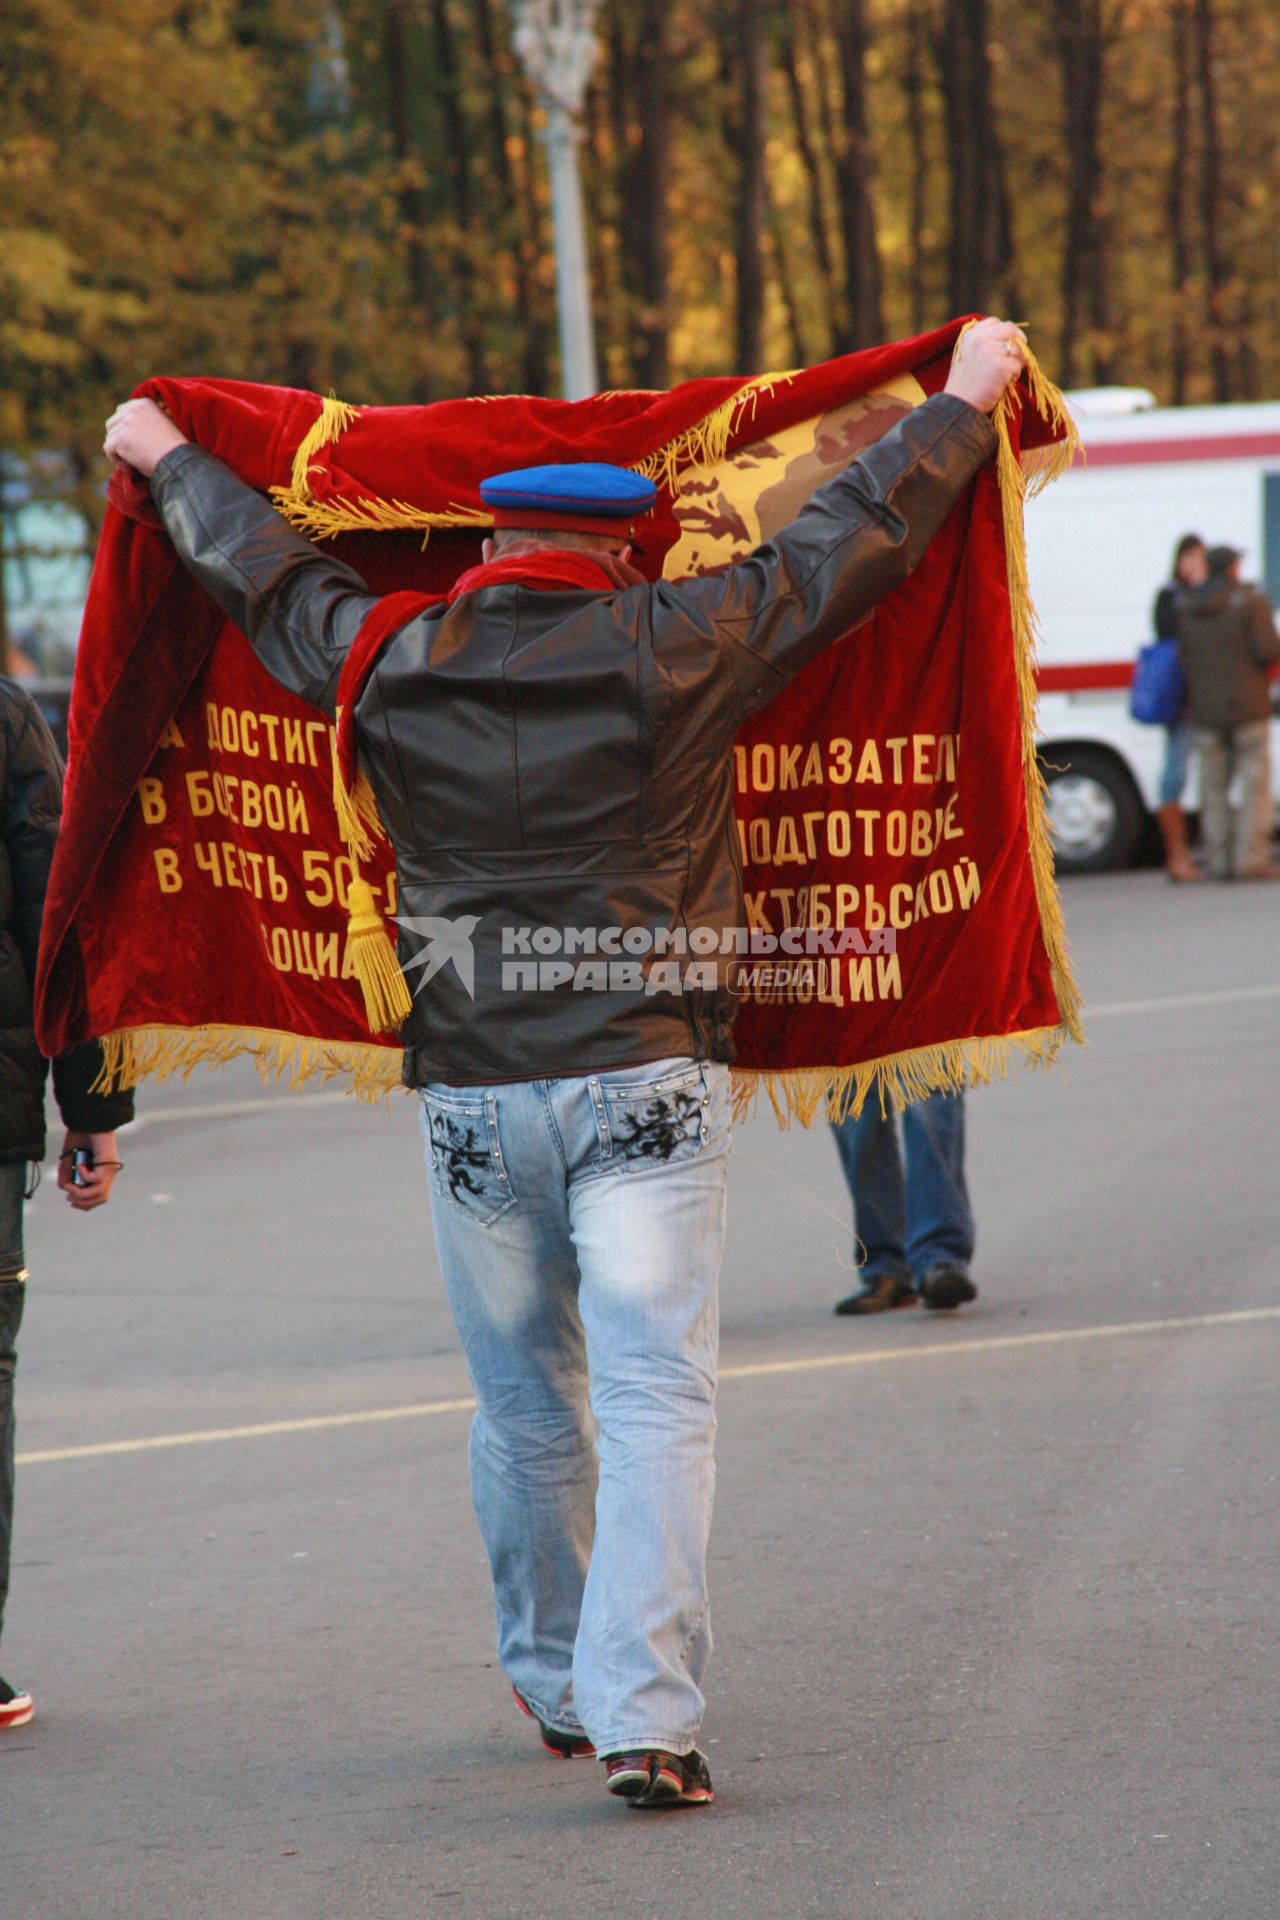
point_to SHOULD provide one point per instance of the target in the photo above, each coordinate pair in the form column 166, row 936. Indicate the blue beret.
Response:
column 586, row 496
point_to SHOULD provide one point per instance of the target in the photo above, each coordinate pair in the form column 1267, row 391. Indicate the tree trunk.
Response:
column 1085, row 297
column 749, row 206
column 1216, row 316
column 531, row 322
column 743, row 76
column 607, row 140
column 457, row 158
column 819, row 215
column 1176, row 201
column 645, row 193
column 918, row 181
column 853, row 174
column 788, row 280
column 409, row 190
column 979, row 235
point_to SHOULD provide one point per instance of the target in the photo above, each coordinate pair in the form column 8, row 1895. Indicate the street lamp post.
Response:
column 556, row 41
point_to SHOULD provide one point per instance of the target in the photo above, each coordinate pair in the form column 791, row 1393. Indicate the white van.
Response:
column 1099, row 545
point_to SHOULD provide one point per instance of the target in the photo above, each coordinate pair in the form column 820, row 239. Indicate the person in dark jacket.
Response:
column 31, row 802
column 1227, row 643
column 558, row 763
column 1190, row 566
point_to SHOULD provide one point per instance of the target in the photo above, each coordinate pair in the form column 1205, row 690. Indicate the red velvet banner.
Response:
column 904, row 925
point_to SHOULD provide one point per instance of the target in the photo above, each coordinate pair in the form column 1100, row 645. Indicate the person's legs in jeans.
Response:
column 940, row 1228
column 500, row 1210
column 1173, row 772
column 1215, row 813
column 13, row 1180
column 1254, row 822
column 649, row 1166
column 872, row 1162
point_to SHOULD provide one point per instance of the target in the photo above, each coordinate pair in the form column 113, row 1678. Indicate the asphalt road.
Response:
column 994, row 1594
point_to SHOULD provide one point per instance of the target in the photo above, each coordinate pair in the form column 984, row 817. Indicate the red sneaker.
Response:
column 655, row 1778
column 16, row 1707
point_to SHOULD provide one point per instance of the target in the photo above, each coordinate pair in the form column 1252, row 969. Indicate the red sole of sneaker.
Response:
column 8, row 1721
column 585, row 1752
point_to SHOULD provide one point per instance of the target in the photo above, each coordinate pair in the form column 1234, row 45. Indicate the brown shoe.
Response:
column 880, row 1294
column 1264, row 872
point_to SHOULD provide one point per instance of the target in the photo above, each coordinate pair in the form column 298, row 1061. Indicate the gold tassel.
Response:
column 373, row 961
column 370, row 950
column 355, row 807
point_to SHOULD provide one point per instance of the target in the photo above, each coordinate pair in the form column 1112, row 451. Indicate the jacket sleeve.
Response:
column 299, row 607
column 32, row 815
column 1264, row 641
column 859, row 536
column 74, row 1073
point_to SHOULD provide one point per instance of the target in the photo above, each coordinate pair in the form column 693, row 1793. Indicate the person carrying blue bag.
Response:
column 1158, row 697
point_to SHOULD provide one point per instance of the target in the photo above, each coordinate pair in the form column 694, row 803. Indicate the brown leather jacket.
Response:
column 563, row 760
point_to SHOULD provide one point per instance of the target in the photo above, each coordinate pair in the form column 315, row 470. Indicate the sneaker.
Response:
column 946, row 1287
column 655, row 1778
column 565, row 1746
column 16, row 1707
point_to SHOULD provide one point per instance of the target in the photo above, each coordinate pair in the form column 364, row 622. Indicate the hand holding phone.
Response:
column 87, row 1167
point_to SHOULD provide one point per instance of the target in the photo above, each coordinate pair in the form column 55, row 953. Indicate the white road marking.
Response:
column 1178, row 1002
column 813, row 1363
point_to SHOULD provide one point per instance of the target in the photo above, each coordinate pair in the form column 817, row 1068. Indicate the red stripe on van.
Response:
column 1154, row 453
column 1096, row 676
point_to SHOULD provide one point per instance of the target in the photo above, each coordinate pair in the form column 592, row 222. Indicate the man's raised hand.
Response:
column 139, row 434
column 988, row 358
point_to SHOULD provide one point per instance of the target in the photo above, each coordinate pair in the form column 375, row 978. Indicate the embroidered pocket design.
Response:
column 467, row 1161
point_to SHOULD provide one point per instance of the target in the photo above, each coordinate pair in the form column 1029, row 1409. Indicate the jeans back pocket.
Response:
column 652, row 1123
column 465, row 1155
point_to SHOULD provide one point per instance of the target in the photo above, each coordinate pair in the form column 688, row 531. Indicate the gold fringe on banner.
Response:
column 709, row 439
column 897, row 1079
column 320, row 519
column 1017, row 485
column 140, row 1053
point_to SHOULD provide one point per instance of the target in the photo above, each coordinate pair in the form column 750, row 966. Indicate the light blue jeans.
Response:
column 580, row 1228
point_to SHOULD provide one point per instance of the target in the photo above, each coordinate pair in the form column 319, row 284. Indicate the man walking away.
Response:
column 1227, row 643
column 555, row 747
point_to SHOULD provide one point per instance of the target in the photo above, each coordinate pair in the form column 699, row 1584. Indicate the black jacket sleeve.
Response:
column 299, row 607
column 32, row 814
column 859, row 536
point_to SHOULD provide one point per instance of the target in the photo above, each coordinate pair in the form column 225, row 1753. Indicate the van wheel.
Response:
column 1094, row 810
